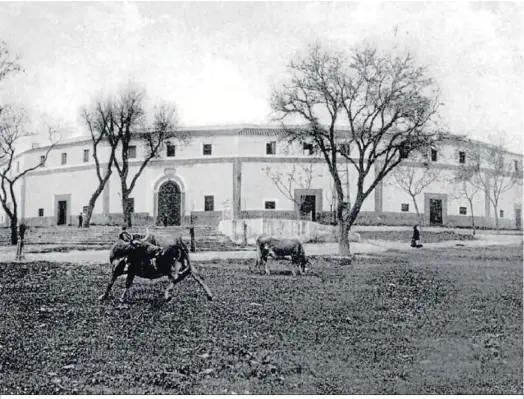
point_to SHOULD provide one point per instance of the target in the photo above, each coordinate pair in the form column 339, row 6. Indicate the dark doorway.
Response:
column 169, row 202
column 62, row 213
column 435, row 212
column 308, row 207
column 518, row 218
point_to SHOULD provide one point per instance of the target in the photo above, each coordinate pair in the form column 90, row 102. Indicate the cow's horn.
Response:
column 126, row 236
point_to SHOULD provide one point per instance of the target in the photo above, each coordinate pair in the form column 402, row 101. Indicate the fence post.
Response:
column 192, row 235
column 244, row 235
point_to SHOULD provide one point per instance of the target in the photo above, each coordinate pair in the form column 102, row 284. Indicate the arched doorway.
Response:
column 169, row 202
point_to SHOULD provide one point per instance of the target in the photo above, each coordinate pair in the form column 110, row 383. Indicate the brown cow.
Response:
column 280, row 249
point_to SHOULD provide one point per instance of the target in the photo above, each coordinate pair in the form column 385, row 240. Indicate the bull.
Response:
column 280, row 249
column 142, row 258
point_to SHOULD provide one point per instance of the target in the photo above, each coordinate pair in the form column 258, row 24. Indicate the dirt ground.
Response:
column 400, row 322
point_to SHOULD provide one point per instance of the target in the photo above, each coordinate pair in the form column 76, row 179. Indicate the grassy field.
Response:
column 419, row 323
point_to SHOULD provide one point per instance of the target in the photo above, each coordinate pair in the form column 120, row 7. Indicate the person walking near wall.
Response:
column 20, row 246
column 415, row 238
column 80, row 219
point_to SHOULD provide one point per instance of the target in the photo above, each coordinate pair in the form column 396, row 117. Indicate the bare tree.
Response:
column 100, row 122
column 388, row 103
column 463, row 184
column 413, row 179
column 126, row 124
column 300, row 176
column 494, row 173
column 12, row 134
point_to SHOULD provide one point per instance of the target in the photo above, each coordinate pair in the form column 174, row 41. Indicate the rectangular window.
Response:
column 501, row 213
column 207, row 149
column 209, row 203
column 64, row 158
column 170, row 150
column 462, row 157
column 131, row 204
column 41, row 212
column 308, row 149
column 42, row 160
column 404, row 207
column 516, row 163
column 132, row 152
column 434, row 155
column 271, row 148
column 86, row 155
column 269, row 205
column 463, row 210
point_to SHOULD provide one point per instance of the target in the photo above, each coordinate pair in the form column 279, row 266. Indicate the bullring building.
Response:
column 225, row 172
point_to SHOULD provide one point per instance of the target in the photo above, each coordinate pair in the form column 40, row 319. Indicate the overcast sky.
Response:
column 218, row 62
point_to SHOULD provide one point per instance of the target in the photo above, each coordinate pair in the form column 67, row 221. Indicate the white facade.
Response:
column 232, row 176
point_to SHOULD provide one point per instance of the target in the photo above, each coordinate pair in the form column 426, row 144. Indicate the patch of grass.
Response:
column 414, row 323
column 426, row 236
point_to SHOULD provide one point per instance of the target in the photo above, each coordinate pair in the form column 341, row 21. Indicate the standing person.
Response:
column 415, row 238
column 80, row 219
column 20, row 246
column 165, row 219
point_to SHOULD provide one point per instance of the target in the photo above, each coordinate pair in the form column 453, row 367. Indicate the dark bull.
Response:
column 143, row 259
column 280, row 249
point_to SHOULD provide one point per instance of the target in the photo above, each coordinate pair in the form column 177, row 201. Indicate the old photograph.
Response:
column 261, row 198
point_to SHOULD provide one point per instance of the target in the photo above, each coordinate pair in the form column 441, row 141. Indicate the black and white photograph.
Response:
column 261, row 198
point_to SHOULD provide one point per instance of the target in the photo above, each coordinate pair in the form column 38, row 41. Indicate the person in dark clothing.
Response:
column 165, row 220
column 80, row 220
column 415, row 238
column 20, row 246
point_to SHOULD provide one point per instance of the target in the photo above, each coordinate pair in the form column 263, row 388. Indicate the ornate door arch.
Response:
column 169, row 203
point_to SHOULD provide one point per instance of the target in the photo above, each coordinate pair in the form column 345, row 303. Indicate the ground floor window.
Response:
column 404, row 207
column 269, row 205
column 41, row 212
column 463, row 210
column 209, row 203
column 501, row 213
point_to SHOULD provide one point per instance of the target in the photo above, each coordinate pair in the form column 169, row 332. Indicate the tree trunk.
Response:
column 343, row 239
column 91, row 205
column 419, row 219
column 125, row 207
column 472, row 216
column 14, row 230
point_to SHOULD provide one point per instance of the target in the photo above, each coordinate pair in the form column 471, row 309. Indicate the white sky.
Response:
column 218, row 62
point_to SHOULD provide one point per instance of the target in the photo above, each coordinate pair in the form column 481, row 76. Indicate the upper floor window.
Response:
column 462, row 157
column 42, row 160
column 209, row 203
column 64, row 158
column 207, row 149
column 269, row 205
column 170, row 150
column 434, row 155
column 132, row 151
column 86, row 155
column 308, row 149
column 271, row 148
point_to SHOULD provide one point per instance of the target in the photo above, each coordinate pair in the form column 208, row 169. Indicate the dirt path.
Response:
column 361, row 248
